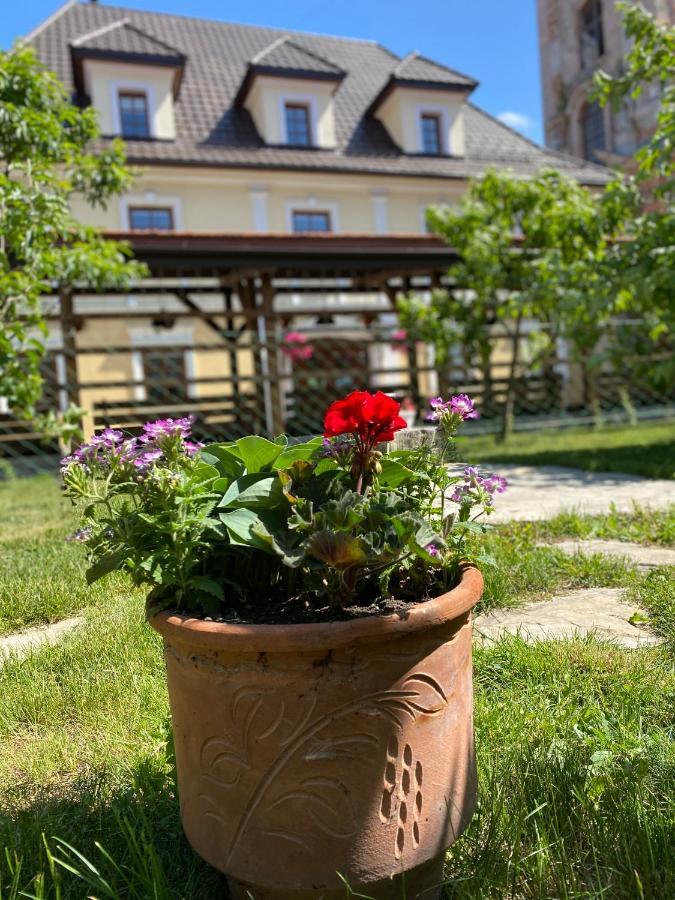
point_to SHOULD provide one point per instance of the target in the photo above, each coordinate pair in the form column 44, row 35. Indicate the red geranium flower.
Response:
column 371, row 418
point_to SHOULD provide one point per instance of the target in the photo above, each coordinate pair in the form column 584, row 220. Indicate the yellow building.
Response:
column 257, row 139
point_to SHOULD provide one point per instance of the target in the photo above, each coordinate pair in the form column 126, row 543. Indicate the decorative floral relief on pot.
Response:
column 326, row 745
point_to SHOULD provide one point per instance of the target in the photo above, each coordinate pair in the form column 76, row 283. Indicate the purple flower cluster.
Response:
column 433, row 550
column 110, row 446
column 477, row 488
column 333, row 448
column 460, row 407
column 80, row 535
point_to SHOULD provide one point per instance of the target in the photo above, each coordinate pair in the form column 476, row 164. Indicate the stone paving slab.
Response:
column 644, row 557
column 541, row 492
column 22, row 643
column 598, row 611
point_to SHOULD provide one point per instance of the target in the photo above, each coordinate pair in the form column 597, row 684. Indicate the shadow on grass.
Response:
column 86, row 838
column 653, row 461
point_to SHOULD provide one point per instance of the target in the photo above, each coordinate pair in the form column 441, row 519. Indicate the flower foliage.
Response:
column 333, row 521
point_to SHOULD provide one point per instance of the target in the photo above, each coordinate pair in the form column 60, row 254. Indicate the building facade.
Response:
column 282, row 185
column 240, row 129
column 576, row 38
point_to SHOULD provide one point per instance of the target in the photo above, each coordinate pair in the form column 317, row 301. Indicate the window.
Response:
column 593, row 131
column 310, row 221
column 150, row 218
column 592, row 43
column 298, row 129
column 133, row 107
column 430, row 126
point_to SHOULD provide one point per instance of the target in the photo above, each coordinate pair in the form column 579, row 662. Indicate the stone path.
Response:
column 542, row 492
column 22, row 643
column 644, row 557
column 598, row 611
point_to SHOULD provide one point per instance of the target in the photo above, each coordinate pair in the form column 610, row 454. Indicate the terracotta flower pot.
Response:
column 304, row 751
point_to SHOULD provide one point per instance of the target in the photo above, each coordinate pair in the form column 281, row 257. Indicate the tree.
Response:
column 648, row 258
column 44, row 161
column 543, row 249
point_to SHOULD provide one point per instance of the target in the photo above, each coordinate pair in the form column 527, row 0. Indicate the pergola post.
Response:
column 69, row 347
column 276, row 402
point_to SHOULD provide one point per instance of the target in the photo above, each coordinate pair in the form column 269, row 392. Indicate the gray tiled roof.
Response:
column 123, row 37
column 212, row 131
column 416, row 67
column 287, row 54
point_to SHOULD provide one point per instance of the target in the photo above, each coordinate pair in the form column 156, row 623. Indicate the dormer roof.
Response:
column 285, row 58
column 416, row 71
column 122, row 41
column 419, row 69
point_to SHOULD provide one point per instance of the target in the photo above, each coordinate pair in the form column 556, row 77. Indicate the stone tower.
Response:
column 576, row 37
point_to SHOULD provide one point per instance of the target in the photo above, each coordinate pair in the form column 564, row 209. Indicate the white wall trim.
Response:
column 141, row 87
column 312, row 204
column 308, row 100
column 151, row 199
column 442, row 113
column 380, row 211
column 259, row 211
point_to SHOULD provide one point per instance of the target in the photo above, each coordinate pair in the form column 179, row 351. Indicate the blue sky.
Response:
column 493, row 40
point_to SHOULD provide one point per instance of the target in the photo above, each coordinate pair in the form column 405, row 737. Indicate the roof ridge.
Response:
column 277, row 42
column 97, row 32
column 166, row 15
column 48, row 21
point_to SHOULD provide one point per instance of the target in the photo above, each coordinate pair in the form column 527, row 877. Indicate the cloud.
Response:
column 517, row 120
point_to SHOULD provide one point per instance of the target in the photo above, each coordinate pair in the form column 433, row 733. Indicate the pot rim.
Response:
column 180, row 629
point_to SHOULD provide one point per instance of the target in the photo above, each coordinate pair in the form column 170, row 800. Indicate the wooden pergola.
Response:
column 255, row 270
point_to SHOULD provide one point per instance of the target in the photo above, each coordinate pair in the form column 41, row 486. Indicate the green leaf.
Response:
column 204, row 472
column 208, row 586
column 336, row 548
column 257, row 490
column 249, row 528
column 297, row 452
column 257, row 452
column 394, row 473
column 224, row 459
column 103, row 566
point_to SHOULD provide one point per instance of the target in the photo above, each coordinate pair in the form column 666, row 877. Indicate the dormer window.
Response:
column 133, row 113
column 422, row 107
column 288, row 91
column 298, row 124
column 430, row 131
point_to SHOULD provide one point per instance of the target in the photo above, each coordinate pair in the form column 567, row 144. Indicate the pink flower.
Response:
column 399, row 340
column 296, row 346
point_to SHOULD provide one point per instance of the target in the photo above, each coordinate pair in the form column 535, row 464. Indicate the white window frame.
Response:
column 308, row 100
column 140, row 87
column 444, row 125
column 150, row 200
column 312, row 204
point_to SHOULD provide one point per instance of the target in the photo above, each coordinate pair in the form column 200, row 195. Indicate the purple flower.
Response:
column 145, row 459
column 462, row 405
column 192, row 447
column 495, row 484
column 166, row 428
column 82, row 534
column 433, row 550
column 333, row 448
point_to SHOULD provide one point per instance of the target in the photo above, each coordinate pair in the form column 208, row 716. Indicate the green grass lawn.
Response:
column 575, row 739
column 644, row 449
